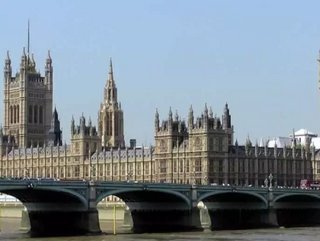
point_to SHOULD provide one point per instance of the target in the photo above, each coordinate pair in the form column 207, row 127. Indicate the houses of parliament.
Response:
column 201, row 150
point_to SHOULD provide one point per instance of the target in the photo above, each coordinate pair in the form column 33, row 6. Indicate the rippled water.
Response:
column 10, row 232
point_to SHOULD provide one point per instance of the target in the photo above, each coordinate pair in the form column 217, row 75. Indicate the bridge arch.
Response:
column 153, row 208
column 30, row 195
column 118, row 192
column 215, row 193
column 234, row 209
column 297, row 209
column 293, row 195
column 52, row 210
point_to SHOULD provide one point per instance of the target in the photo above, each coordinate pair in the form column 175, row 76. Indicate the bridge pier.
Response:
column 269, row 218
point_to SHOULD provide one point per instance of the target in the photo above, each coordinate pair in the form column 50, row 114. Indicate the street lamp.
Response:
column 92, row 172
column 205, row 180
column 266, row 182
column 26, row 173
column 270, row 177
column 129, row 176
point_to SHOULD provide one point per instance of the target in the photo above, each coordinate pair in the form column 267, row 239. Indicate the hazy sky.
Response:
column 259, row 56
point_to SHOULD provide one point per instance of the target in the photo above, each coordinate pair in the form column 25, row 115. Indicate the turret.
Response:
column 170, row 120
column 72, row 126
column 49, row 70
column 23, row 63
column 7, row 69
column 82, row 125
column 190, row 118
column 210, row 113
column 55, row 133
column 205, row 117
column 248, row 145
column 176, row 117
column 110, row 90
column 226, row 119
column 156, row 121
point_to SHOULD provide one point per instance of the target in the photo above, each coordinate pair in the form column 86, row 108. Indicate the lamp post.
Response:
column 129, row 176
column 270, row 177
column 26, row 173
column 205, row 180
column 266, row 182
column 92, row 172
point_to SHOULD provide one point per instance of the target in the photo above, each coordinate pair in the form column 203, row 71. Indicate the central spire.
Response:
column 28, row 37
column 111, row 71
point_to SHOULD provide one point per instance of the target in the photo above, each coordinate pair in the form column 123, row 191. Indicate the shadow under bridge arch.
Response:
column 236, row 209
column 51, row 210
column 298, row 209
column 156, row 210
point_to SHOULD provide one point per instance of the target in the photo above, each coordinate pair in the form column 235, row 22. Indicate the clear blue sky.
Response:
column 259, row 56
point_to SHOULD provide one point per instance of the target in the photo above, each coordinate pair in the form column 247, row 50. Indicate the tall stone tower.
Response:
column 110, row 119
column 28, row 101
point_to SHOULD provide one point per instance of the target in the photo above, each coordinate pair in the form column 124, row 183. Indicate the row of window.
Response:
column 14, row 114
column 35, row 114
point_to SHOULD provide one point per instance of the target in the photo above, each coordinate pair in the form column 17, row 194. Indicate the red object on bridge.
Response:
column 309, row 184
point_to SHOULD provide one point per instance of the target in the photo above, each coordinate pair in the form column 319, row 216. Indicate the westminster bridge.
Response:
column 70, row 207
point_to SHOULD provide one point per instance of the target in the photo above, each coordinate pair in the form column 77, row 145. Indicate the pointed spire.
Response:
column 156, row 120
column 110, row 70
column 176, row 117
column 226, row 108
column 294, row 141
column 248, row 141
column 210, row 112
column 49, row 60
column 7, row 67
column 72, row 126
column 28, row 37
column 8, row 57
column 55, row 113
column 190, row 109
column 170, row 114
column 205, row 110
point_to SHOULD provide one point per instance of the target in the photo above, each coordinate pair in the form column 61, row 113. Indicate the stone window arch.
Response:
column 10, row 114
column 40, row 114
column 14, row 114
column 35, row 114
column 18, row 113
column 30, row 114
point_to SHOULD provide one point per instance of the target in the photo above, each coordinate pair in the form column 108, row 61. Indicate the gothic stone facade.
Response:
column 204, row 153
column 28, row 102
column 199, row 152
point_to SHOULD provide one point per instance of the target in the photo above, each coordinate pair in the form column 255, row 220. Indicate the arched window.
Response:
column 40, row 114
column 35, row 114
column 30, row 114
column 14, row 114
column 18, row 114
column 11, row 114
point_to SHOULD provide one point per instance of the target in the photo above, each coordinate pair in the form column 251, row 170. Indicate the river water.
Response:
column 10, row 232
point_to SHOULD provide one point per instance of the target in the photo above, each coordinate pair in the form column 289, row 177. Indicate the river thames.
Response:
column 10, row 232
